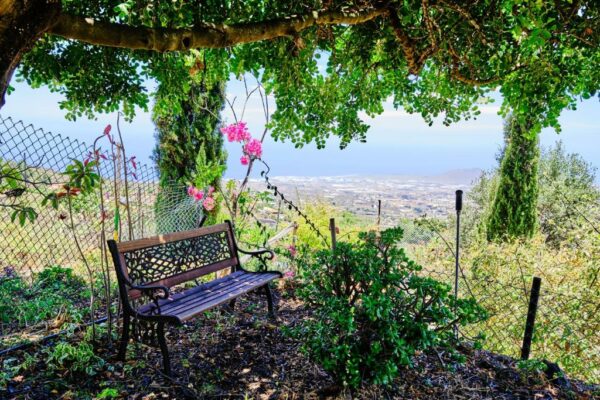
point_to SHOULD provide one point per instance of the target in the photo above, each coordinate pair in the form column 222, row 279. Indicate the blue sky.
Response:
column 398, row 143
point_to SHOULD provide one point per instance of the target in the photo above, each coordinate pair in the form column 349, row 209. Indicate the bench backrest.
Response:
column 175, row 258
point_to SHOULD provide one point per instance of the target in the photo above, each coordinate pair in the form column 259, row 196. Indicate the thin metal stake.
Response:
column 531, row 312
column 378, row 214
column 458, row 206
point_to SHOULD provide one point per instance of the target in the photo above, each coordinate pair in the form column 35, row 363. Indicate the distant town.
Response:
column 401, row 196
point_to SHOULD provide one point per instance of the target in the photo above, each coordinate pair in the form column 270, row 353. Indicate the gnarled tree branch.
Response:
column 408, row 45
column 207, row 36
column 456, row 74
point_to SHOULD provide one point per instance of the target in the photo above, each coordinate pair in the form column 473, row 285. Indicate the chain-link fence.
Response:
column 128, row 204
column 567, row 324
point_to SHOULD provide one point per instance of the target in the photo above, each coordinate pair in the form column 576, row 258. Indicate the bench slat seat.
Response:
column 147, row 270
column 188, row 304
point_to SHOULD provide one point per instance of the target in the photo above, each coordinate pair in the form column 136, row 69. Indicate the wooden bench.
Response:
column 148, row 268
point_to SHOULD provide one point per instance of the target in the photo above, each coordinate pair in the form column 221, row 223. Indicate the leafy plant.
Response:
column 13, row 184
column 372, row 311
column 531, row 366
column 56, row 288
column 75, row 359
column 108, row 393
column 58, row 278
column 83, row 180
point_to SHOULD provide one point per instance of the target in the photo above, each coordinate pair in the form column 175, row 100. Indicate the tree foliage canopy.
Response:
column 327, row 63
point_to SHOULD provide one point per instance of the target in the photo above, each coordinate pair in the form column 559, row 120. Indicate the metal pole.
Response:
column 531, row 312
column 458, row 206
column 278, row 215
column 378, row 214
column 333, row 233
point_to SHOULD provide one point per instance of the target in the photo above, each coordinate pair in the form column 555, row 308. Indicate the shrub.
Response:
column 55, row 289
column 10, row 288
column 372, row 311
column 80, row 358
column 60, row 278
column 569, row 200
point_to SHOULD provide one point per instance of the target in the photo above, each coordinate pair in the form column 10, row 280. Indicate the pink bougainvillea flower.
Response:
column 192, row 191
column 211, row 190
column 245, row 160
column 292, row 249
column 253, row 148
column 209, row 203
column 199, row 195
column 289, row 274
column 237, row 132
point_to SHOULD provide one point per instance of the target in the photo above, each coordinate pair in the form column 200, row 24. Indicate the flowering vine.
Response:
column 251, row 148
column 207, row 199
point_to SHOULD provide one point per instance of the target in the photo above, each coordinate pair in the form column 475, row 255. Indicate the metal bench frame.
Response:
column 147, row 268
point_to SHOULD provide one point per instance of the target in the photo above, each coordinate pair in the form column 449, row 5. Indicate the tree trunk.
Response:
column 22, row 22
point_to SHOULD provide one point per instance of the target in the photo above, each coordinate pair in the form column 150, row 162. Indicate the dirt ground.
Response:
column 244, row 355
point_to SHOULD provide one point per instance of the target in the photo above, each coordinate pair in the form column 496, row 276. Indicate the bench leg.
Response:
column 269, row 301
column 162, row 342
column 232, row 304
column 124, row 337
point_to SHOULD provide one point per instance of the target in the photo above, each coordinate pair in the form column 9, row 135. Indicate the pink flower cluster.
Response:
column 238, row 132
column 289, row 274
column 208, row 201
column 253, row 148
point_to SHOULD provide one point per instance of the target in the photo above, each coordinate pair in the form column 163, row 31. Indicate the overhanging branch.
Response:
column 456, row 74
column 206, row 36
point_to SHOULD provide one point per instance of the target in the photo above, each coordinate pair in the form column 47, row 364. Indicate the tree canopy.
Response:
column 325, row 62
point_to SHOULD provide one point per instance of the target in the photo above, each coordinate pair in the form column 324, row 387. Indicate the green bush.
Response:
column 54, row 289
column 75, row 359
column 372, row 311
column 10, row 288
column 569, row 203
column 59, row 278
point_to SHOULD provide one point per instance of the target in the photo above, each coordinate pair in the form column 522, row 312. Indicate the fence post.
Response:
column 278, row 216
column 378, row 214
column 458, row 206
column 531, row 312
column 333, row 233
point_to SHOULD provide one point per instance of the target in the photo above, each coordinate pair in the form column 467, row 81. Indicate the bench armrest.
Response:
column 263, row 255
column 259, row 253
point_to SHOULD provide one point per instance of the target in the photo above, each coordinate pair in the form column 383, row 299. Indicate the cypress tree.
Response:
column 514, row 208
column 188, row 133
column 189, row 143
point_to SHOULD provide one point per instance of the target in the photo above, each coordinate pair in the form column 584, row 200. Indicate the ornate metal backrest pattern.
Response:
column 173, row 258
column 166, row 260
